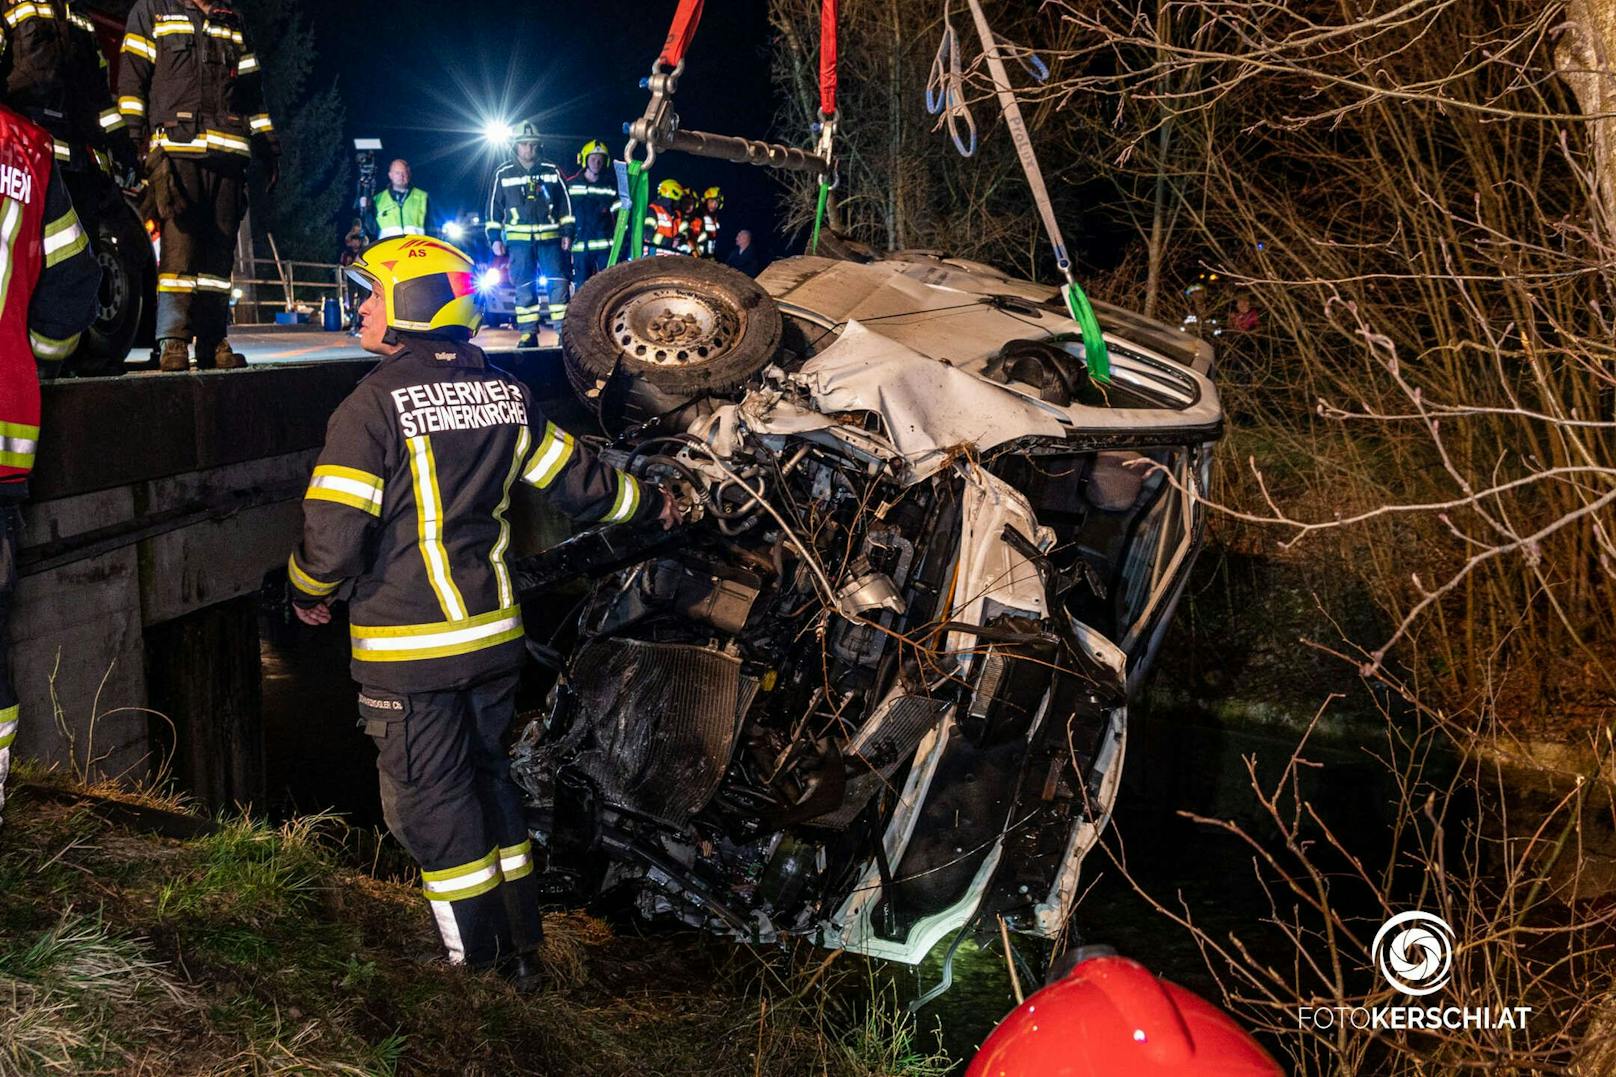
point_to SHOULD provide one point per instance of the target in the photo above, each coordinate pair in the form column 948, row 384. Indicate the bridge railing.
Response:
column 274, row 286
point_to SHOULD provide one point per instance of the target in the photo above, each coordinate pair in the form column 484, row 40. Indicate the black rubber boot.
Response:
column 524, row 972
column 173, row 354
column 529, row 340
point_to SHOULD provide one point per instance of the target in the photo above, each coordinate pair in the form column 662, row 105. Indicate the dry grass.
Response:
column 259, row 950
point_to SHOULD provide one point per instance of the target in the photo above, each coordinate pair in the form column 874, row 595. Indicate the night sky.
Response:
column 424, row 77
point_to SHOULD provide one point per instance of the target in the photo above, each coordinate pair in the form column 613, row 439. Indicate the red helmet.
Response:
column 1110, row 1015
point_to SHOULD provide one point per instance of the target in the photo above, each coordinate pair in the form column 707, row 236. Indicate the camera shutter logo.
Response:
column 1414, row 951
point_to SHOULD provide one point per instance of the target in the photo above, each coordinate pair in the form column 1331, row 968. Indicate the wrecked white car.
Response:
column 876, row 691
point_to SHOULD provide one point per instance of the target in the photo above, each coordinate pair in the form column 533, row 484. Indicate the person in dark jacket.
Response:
column 663, row 225
column 596, row 206
column 47, row 298
column 745, row 256
column 406, row 517
column 59, row 80
column 712, row 200
column 189, row 88
column 530, row 215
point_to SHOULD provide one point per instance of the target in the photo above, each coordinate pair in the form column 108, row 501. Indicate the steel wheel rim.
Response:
column 674, row 326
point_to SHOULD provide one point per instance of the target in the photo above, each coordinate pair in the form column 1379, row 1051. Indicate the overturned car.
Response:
column 876, row 690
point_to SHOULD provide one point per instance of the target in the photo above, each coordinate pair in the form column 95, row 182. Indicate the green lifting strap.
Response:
column 1095, row 354
column 819, row 216
column 639, row 186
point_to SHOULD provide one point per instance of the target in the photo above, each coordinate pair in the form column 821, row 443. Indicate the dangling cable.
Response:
column 828, row 115
column 945, row 90
column 1095, row 354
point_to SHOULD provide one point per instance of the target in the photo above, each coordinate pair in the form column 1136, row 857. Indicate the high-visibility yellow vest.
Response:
column 393, row 219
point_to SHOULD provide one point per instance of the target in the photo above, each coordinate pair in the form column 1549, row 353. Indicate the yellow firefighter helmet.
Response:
column 670, row 188
column 429, row 287
column 594, row 146
column 713, row 193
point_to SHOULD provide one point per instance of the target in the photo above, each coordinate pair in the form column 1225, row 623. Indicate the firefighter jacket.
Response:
column 393, row 216
column 47, row 293
column 406, row 514
column 595, row 204
column 59, row 78
column 707, row 245
column 188, row 83
column 663, row 227
column 528, row 204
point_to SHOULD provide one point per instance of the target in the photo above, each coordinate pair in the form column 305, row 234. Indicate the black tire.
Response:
column 682, row 327
column 128, row 284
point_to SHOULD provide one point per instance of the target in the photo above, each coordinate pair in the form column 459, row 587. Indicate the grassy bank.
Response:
column 259, row 950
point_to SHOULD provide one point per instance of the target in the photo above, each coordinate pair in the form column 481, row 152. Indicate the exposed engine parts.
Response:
column 874, row 692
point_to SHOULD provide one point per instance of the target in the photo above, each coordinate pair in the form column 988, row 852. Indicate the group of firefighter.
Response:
column 558, row 231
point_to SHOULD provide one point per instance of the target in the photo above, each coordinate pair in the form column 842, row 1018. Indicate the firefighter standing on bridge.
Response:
column 530, row 216
column 190, row 89
column 405, row 517
column 595, row 204
column 59, row 80
column 47, row 298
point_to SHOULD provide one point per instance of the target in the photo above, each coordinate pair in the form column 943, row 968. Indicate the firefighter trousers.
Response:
column 539, row 275
column 448, row 797
column 200, row 202
column 10, row 526
column 589, row 256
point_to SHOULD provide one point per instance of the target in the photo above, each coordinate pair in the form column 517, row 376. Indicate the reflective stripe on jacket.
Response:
column 662, row 228
column 596, row 204
column 707, row 244
column 407, row 510
column 189, row 84
column 528, row 204
column 59, row 75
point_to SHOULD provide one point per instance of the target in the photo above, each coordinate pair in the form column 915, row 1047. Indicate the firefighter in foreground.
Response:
column 530, row 217
column 47, row 298
column 405, row 518
column 189, row 89
column 595, row 205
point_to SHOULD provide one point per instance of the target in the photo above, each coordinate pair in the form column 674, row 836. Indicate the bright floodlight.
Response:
column 489, row 280
column 498, row 132
column 453, row 232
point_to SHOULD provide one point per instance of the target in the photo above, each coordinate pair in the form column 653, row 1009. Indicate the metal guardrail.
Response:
column 275, row 286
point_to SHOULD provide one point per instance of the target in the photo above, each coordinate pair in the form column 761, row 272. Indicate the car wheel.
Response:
column 123, row 251
column 680, row 327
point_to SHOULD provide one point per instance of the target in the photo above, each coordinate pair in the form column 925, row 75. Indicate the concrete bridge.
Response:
column 162, row 506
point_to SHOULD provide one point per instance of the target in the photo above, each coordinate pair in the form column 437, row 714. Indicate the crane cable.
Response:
column 828, row 115
column 946, row 90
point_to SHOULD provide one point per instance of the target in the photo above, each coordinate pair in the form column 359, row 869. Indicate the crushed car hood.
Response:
column 955, row 316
